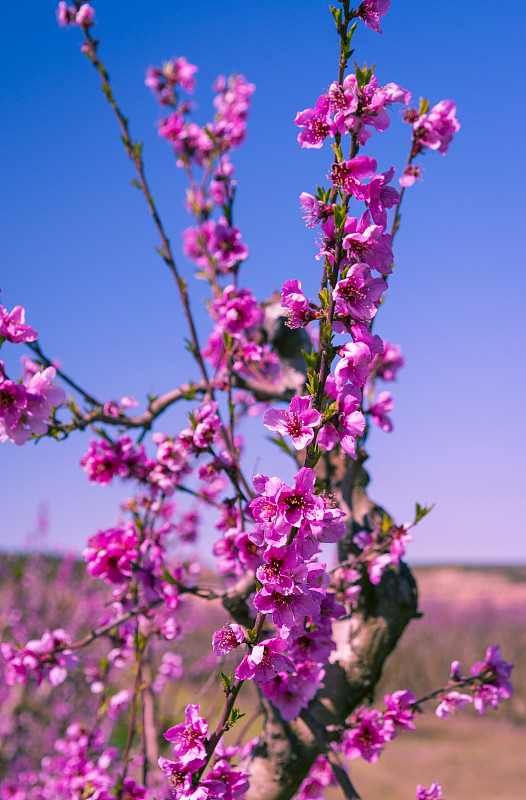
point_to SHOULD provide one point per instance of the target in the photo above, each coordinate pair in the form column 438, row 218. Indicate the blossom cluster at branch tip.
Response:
column 26, row 407
column 69, row 15
column 13, row 326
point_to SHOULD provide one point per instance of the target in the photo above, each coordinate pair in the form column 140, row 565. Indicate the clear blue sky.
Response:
column 77, row 245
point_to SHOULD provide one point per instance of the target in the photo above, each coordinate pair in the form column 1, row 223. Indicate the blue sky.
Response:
column 77, row 245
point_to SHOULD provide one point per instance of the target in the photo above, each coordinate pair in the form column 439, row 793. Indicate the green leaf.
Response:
column 337, row 148
column 331, row 410
column 337, row 14
column 340, row 215
column 324, row 297
column 422, row 511
column 234, row 716
column 424, row 106
column 363, row 76
column 251, row 635
column 322, row 194
column 310, row 358
column 387, row 523
column 316, row 456
column 313, row 382
column 227, row 683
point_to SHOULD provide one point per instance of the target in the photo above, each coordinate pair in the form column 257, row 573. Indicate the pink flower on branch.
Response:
column 299, row 422
column 316, row 122
column 227, row 639
column 295, row 305
column 437, row 128
column 450, row 702
column 358, row 293
column 370, row 12
column 433, row 793
column 349, row 175
column 379, row 409
column 13, row 327
column 188, row 738
column 367, row 740
column 264, row 662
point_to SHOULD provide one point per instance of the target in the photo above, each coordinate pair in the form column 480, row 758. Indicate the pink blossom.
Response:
column 450, row 702
column 382, row 196
column 227, row 639
column 311, row 208
column 298, row 504
column 399, row 715
column 353, row 366
column 378, row 564
column 379, row 409
column 299, row 422
column 295, row 305
column 264, row 662
column 411, row 174
column 65, row 14
column 358, row 293
column 368, row 243
column 494, row 674
column 188, row 738
column 281, row 570
column 361, row 333
column 436, row 129
column 118, row 703
column 367, row 740
column 111, row 553
column 85, row 15
column 163, row 82
column 179, row 774
column 232, row 103
column 292, row 692
column 433, row 793
column 207, row 425
column 316, row 123
column 237, row 311
column 172, row 127
column 347, row 423
column 13, row 327
column 320, row 776
column 343, row 102
column 389, row 361
column 104, row 460
column 349, row 175
column 25, row 408
column 371, row 11
column 287, row 609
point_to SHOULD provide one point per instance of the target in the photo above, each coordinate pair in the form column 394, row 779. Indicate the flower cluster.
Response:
column 433, row 129
column 82, row 766
column 25, row 408
column 371, row 729
column 105, row 460
column 47, row 655
column 83, row 16
column 189, row 747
